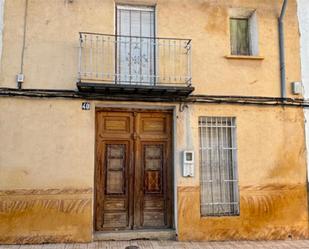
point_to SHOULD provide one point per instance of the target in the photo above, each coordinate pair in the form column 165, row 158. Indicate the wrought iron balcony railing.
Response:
column 132, row 60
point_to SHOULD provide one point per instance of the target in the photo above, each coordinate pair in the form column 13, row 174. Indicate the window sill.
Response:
column 244, row 57
column 214, row 218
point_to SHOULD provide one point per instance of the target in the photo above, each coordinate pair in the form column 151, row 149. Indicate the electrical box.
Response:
column 297, row 88
column 20, row 78
column 188, row 164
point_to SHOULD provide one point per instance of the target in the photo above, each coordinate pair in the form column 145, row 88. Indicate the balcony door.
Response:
column 135, row 30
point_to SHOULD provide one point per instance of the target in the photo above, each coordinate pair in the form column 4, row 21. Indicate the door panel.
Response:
column 110, row 124
column 154, row 126
column 133, row 172
column 153, row 165
column 113, row 169
column 112, row 186
column 155, row 191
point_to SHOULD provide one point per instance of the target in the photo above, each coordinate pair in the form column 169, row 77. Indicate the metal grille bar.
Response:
column 218, row 165
column 134, row 60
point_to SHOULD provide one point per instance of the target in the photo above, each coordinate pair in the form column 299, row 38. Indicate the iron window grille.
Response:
column 218, row 166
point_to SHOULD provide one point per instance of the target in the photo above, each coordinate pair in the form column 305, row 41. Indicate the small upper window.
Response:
column 240, row 37
column 243, row 32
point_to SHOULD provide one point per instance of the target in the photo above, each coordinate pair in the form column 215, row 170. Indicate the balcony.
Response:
column 129, row 65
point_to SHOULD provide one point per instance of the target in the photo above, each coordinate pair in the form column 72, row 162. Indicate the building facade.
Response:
column 152, row 118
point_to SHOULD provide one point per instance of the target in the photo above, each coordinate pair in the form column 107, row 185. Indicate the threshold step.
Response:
column 166, row 234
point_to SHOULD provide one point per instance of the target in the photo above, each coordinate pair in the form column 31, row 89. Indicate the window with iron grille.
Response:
column 218, row 165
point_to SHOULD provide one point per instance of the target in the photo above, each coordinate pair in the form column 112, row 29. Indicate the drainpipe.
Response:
column 20, row 76
column 282, row 50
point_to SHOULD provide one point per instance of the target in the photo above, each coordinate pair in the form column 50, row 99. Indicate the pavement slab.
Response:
column 154, row 244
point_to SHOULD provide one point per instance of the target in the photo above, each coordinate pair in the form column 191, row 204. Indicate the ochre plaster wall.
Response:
column 47, row 153
column 45, row 215
column 272, row 178
column 47, row 166
column 51, row 54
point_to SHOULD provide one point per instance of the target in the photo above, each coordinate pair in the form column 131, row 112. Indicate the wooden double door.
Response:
column 133, row 170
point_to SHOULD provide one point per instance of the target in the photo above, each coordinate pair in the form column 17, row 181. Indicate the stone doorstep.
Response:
column 167, row 234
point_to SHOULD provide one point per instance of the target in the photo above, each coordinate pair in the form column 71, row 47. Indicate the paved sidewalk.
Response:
column 145, row 244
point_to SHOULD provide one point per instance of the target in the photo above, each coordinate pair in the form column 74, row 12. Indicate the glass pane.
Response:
column 115, row 150
column 115, row 164
column 153, row 164
column 114, row 183
column 240, row 40
column 233, row 33
column 243, row 37
column 153, row 151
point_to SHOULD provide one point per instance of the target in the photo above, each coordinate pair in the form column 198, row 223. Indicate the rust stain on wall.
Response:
column 267, row 212
column 45, row 216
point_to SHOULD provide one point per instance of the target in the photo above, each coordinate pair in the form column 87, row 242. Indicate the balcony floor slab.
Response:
column 141, row 90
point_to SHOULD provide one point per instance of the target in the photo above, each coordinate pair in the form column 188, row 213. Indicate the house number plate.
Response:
column 86, row 106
